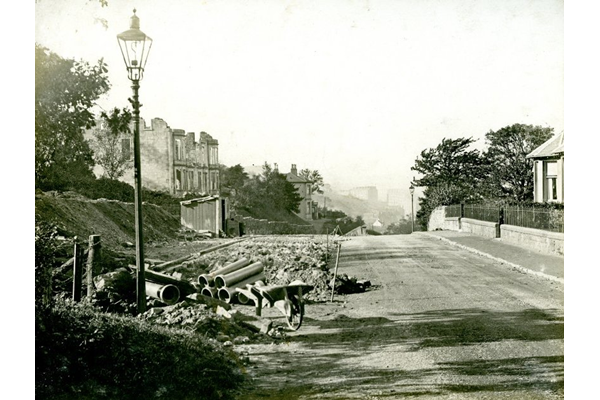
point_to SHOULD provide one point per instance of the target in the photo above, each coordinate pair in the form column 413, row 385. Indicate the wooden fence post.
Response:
column 77, row 271
column 94, row 256
column 337, row 259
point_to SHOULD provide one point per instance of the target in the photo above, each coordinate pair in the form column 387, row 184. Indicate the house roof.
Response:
column 551, row 147
column 295, row 178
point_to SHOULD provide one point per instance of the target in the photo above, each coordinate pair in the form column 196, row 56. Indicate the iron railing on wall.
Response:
column 454, row 210
column 531, row 217
column 524, row 216
column 482, row 212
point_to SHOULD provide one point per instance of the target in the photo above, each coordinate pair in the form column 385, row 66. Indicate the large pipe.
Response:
column 231, row 279
column 209, row 291
column 208, row 279
column 230, row 293
column 168, row 294
column 245, row 295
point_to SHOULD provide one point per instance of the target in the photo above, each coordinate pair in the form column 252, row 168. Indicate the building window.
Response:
column 178, row 150
column 551, row 175
column 126, row 149
column 178, row 180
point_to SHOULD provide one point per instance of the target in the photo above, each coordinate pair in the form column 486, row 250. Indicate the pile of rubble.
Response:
column 194, row 304
column 285, row 259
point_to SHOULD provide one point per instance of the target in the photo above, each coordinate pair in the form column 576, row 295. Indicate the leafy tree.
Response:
column 345, row 223
column 65, row 91
column 315, row 177
column 400, row 227
column 452, row 162
column 451, row 172
column 45, row 250
column 511, row 171
column 232, row 178
column 434, row 196
column 278, row 191
column 108, row 150
column 269, row 190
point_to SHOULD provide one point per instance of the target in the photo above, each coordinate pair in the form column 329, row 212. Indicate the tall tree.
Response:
column 452, row 162
column 233, row 178
column 281, row 193
column 268, row 191
column 109, row 151
column 451, row 172
column 511, row 171
column 65, row 91
column 314, row 176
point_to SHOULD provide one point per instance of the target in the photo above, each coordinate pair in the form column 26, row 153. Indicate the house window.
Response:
column 551, row 174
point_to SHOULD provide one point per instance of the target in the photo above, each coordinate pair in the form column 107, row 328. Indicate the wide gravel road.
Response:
column 439, row 323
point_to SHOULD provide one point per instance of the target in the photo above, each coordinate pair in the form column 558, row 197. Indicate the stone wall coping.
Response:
column 534, row 232
column 479, row 222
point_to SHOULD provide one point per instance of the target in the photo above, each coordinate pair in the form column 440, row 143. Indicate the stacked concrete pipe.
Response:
column 168, row 294
column 209, row 291
column 231, row 293
column 230, row 279
column 228, row 283
column 208, row 279
column 245, row 296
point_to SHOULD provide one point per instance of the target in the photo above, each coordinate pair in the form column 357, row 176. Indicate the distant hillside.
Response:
column 369, row 211
column 272, row 215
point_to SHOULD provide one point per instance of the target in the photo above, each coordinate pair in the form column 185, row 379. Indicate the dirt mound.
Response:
column 76, row 215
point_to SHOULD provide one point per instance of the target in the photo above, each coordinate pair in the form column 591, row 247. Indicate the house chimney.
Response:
column 294, row 170
column 275, row 167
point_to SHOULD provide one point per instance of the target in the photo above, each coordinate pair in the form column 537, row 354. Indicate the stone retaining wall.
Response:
column 480, row 228
column 535, row 239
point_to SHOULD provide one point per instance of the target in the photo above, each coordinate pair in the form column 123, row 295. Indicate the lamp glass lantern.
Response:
column 135, row 47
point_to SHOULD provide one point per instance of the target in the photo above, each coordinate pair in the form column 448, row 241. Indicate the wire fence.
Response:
column 524, row 216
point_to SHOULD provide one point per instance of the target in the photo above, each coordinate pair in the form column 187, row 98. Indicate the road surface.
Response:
column 439, row 323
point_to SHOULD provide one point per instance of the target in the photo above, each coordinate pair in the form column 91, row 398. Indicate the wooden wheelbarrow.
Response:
column 286, row 298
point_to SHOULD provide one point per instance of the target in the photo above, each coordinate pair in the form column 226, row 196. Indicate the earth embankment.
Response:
column 114, row 220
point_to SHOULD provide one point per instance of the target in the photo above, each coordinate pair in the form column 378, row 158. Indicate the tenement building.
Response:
column 173, row 160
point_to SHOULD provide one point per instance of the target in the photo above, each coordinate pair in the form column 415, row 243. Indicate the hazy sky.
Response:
column 355, row 89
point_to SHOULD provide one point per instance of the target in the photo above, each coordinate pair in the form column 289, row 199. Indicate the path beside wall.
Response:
column 533, row 239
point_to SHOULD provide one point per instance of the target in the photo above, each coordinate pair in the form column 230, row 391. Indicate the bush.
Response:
column 105, row 188
column 45, row 258
column 83, row 353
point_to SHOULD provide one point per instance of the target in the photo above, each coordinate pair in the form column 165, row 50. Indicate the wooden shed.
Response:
column 205, row 214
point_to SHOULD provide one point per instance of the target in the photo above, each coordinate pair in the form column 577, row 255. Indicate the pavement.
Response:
column 529, row 261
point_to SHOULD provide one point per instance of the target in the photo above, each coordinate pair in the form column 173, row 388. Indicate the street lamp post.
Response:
column 411, row 189
column 135, row 46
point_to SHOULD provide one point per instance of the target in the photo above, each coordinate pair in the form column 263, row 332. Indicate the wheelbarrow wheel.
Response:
column 296, row 312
